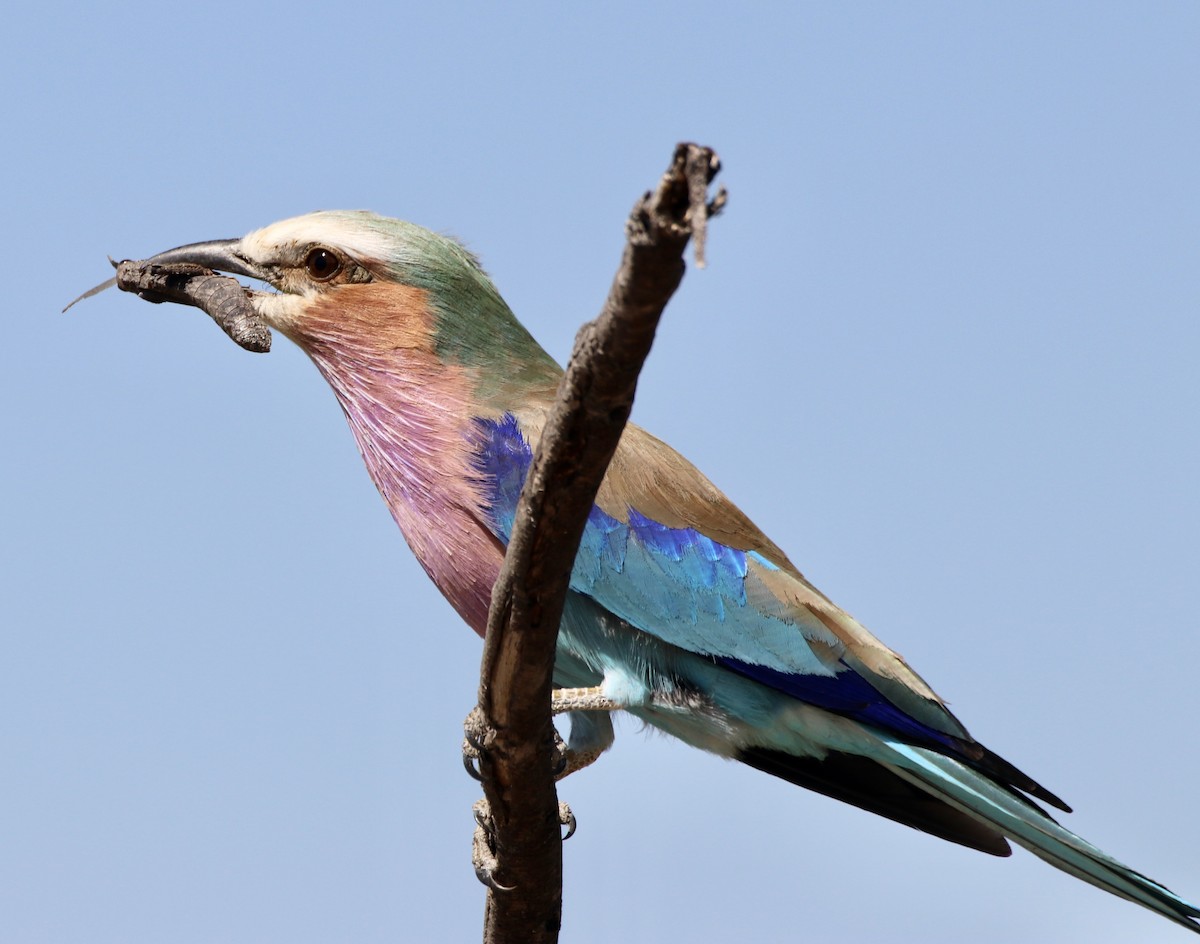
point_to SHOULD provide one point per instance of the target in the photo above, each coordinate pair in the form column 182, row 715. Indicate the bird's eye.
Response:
column 322, row 264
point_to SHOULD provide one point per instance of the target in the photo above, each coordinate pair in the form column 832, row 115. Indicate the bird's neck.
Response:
column 413, row 418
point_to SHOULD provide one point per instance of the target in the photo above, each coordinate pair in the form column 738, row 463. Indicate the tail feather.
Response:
column 871, row 786
column 972, row 793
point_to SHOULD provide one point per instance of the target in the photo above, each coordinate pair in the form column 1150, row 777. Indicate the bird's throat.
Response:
column 412, row 419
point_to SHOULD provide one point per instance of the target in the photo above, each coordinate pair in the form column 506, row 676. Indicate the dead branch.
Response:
column 593, row 404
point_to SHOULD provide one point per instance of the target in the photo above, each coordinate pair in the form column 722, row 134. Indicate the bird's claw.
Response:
column 568, row 760
column 566, row 818
column 485, row 875
column 476, row 737
column 561, row 756
column 483, row 848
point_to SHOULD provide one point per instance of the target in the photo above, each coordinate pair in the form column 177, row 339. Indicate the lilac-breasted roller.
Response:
column 681, row 611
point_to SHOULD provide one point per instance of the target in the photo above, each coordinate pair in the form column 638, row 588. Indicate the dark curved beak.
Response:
column 219, row 254
column 222, row 255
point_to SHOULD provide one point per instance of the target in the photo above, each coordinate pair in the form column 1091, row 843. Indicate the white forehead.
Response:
column 357, row 233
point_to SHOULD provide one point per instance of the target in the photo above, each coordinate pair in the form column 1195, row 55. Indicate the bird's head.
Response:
column 355, row 284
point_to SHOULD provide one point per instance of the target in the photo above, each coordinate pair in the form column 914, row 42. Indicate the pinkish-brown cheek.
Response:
column 376, row 316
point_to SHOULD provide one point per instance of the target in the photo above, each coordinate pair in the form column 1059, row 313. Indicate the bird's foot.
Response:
column 477, row 736
column 483, row 848
column 591, row 727
column 483, row 844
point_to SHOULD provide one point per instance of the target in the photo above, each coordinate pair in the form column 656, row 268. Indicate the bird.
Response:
column 681, row 611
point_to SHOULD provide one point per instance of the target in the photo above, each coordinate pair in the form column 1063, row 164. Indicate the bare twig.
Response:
column 223, row 298
column 593, row 404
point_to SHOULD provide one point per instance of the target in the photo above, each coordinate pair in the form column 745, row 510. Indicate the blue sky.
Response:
column 945, row 354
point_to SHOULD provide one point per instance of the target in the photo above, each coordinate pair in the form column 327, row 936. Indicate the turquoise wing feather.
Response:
column 666, row 554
